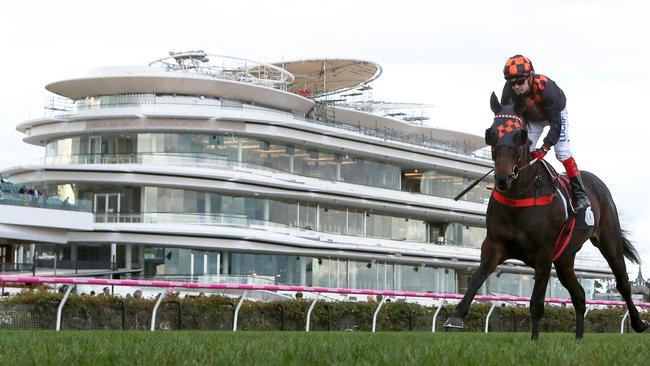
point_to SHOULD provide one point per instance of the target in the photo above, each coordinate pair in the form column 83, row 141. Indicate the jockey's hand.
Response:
column 541, row 152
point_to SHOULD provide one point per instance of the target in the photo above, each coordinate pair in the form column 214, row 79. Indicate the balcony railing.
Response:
column 224, row 220
column 27, row 200
column 197, row 161
column 240, row 221
column 62, row 106
column 251, row 279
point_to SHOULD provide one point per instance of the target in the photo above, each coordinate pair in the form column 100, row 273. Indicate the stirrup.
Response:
column 581, row 204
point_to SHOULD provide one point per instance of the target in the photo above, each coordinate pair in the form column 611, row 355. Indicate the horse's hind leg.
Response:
column 608, row 246
column 567, row 276
column 492, row 254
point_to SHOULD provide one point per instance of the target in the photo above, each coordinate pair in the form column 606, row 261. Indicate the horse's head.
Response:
column 507, row 137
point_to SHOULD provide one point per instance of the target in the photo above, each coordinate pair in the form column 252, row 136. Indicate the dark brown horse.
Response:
column 529, row 233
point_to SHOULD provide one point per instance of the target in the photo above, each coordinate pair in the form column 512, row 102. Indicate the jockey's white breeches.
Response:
column 563, row 146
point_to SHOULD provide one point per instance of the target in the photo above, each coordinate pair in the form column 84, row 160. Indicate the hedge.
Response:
column 37, row 310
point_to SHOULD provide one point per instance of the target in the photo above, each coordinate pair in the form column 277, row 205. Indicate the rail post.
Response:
column 627, row 313
column 155, row 309
column 59, row 311
column 239, row 304
column 311, row 307
column 487, row 318
column 374, row 317
column 435, row 316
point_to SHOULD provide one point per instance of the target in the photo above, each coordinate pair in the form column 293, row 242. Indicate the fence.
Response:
column 141, row 316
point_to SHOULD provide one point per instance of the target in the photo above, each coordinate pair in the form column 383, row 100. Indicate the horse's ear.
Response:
column 520, row 137
column 491, row 136
column 494, row 103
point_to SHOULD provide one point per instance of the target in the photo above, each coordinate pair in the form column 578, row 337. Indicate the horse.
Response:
column 528, row 232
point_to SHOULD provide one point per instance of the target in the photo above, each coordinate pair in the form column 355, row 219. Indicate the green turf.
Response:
column 298, row 348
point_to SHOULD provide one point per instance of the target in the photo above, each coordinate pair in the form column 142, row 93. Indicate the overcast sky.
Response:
column 449, row 54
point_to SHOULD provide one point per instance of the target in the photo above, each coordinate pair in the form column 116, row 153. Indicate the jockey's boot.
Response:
column 580, row 199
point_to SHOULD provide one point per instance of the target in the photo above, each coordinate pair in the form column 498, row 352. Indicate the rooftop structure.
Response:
column 322, row 77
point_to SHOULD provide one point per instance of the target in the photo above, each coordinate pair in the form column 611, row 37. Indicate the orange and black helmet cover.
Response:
column 517, row 66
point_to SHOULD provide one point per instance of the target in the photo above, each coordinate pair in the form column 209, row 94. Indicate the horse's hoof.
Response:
column 642, row 327
column 646, row 325
column 454, row 322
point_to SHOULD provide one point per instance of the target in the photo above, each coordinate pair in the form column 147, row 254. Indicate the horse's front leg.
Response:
column 492, row 254
column 542, row 274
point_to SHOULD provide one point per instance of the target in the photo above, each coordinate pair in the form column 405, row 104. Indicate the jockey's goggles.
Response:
column 517, row 81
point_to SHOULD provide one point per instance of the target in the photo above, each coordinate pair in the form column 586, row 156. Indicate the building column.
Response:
column 397, row 277
column 191, row 267
column 32, row 251
column 208, row 203
column 365, row 222
column 73, row 252
column 113, row 255
column 141, row 256
column 338, row 168
column 205, row 264
column 303, row 271
column 267, row 210
column 226, row 263
column 128, row 256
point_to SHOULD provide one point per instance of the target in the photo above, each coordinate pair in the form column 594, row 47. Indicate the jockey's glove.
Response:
column 541, row 152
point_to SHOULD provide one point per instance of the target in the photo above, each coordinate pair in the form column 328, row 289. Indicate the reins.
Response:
column 536, row 200
column 534, row 180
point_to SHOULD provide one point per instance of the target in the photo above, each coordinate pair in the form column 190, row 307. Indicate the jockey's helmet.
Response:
column 517, row 66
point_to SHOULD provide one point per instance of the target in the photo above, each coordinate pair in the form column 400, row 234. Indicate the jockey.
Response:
column 542, row 103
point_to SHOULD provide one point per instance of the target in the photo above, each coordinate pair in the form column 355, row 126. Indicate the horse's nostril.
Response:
column 503, row 183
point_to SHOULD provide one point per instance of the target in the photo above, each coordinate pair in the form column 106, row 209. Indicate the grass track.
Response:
column 298, row 348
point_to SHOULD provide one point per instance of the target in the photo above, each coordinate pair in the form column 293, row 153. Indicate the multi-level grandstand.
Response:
column 209, row 168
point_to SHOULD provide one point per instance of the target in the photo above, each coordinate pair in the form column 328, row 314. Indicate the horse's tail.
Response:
column 629, row 251
column 623, row 244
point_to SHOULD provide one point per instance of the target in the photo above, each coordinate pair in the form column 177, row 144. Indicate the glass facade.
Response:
column 227, row 266
column 463, row 235
column 161, row 204
column 383, row 130
column 509, row 284
column 222, row 149
column 444, row 185
column 164, row 204
column 228, row 149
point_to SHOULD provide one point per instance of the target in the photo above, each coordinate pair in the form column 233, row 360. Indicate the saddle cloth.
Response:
column 583, row 219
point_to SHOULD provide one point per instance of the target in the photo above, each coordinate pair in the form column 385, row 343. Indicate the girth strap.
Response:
column 564, row 237
column 524, row 202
